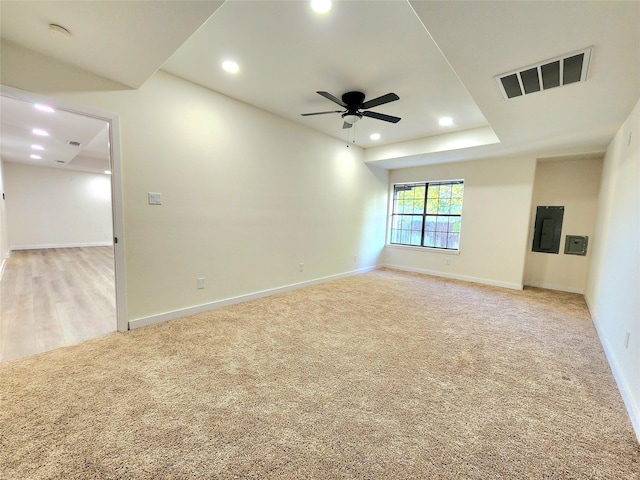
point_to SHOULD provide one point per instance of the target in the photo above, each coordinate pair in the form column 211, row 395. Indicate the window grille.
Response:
column 427, row 214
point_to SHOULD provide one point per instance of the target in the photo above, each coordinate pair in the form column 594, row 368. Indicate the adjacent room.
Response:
column 320, row 239
column 58, row 284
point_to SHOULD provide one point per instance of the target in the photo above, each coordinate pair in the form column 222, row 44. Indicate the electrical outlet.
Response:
column 626, row 340
column 355, row 258
column 301, row 267
column 447, row 261
column 200, row 283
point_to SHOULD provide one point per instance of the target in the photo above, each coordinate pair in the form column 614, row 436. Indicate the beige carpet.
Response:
column 380, row 376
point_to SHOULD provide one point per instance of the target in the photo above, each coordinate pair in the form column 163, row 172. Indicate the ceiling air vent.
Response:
column 73, row 143
column 552, row 73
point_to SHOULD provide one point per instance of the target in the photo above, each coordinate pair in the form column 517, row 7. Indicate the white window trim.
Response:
column 443, row 251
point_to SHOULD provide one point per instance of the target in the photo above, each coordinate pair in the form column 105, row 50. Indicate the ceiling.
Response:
column 440, row 58
column 74, row 141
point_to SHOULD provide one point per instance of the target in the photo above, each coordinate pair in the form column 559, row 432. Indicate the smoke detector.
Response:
column 556, row 72
column 59, row 30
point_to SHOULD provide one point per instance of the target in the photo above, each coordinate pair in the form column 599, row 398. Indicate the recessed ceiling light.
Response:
column 35, row 157
column 321, row 6
column 43, row 108
column 37, row 147
column 40, row 132
column 375, row 136
column 230, row 66
column 446, row 121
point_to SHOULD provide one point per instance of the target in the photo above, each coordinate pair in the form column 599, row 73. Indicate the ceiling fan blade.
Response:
column 389, row 97
column 381, row 116
column 347, row 125
column 320, row 113
column 328, row 96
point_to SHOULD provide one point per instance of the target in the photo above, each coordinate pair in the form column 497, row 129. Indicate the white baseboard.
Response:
column 551, row 286
column 632, row 405
column 61, row 245
column 163, row 317
column 484, row 281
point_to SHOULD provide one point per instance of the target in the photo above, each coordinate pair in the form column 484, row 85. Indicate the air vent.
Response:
column 555, row 72
column 73, row 143
column 60, row 161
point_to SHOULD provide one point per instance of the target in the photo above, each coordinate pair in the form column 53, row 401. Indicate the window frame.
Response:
column 423, row 216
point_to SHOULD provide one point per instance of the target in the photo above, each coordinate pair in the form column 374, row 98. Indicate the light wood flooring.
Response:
column 55, row 297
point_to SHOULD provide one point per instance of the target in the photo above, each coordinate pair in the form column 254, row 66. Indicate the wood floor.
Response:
column 55, row 297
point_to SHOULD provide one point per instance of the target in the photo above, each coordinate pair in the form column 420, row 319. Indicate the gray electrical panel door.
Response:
column 548, row 229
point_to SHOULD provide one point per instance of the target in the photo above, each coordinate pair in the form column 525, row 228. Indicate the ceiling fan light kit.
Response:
column 350, row 118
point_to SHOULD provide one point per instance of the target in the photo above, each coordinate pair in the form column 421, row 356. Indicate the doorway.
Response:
column 59, row 269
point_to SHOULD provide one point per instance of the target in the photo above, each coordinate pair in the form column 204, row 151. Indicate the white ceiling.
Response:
column 19, row 118
column 439, row 57
column 124, row 41
column 287, row 52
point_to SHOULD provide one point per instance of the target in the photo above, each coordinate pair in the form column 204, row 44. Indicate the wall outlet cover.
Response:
column 155, row 198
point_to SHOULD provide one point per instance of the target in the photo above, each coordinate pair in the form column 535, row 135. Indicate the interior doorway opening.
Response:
column 62, row 254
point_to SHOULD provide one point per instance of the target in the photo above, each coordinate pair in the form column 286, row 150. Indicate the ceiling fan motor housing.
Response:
column 353, row 100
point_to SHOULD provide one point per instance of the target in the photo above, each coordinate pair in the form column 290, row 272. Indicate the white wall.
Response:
column 613, row 285
column 247, row 195
column 495, row 222
column 574, row 184
column 50, row 207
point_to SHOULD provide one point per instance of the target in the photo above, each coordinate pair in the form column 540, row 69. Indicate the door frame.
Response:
column 113, row 120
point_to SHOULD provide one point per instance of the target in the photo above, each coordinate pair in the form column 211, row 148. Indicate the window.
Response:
column 427, row 214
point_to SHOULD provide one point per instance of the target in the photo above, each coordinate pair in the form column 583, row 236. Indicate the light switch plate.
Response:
column 155, row 198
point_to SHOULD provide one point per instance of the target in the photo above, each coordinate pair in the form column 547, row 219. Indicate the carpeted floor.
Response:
column 386, row 375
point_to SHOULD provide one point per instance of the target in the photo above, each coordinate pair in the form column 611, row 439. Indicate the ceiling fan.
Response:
column 354, row 102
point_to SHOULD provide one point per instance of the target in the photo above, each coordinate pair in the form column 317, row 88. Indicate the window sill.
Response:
column 423, row 249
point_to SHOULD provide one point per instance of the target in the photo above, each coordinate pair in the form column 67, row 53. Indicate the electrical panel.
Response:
column 548, row 229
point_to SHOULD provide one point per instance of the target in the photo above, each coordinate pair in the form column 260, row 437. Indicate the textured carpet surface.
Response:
column 380, row 376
